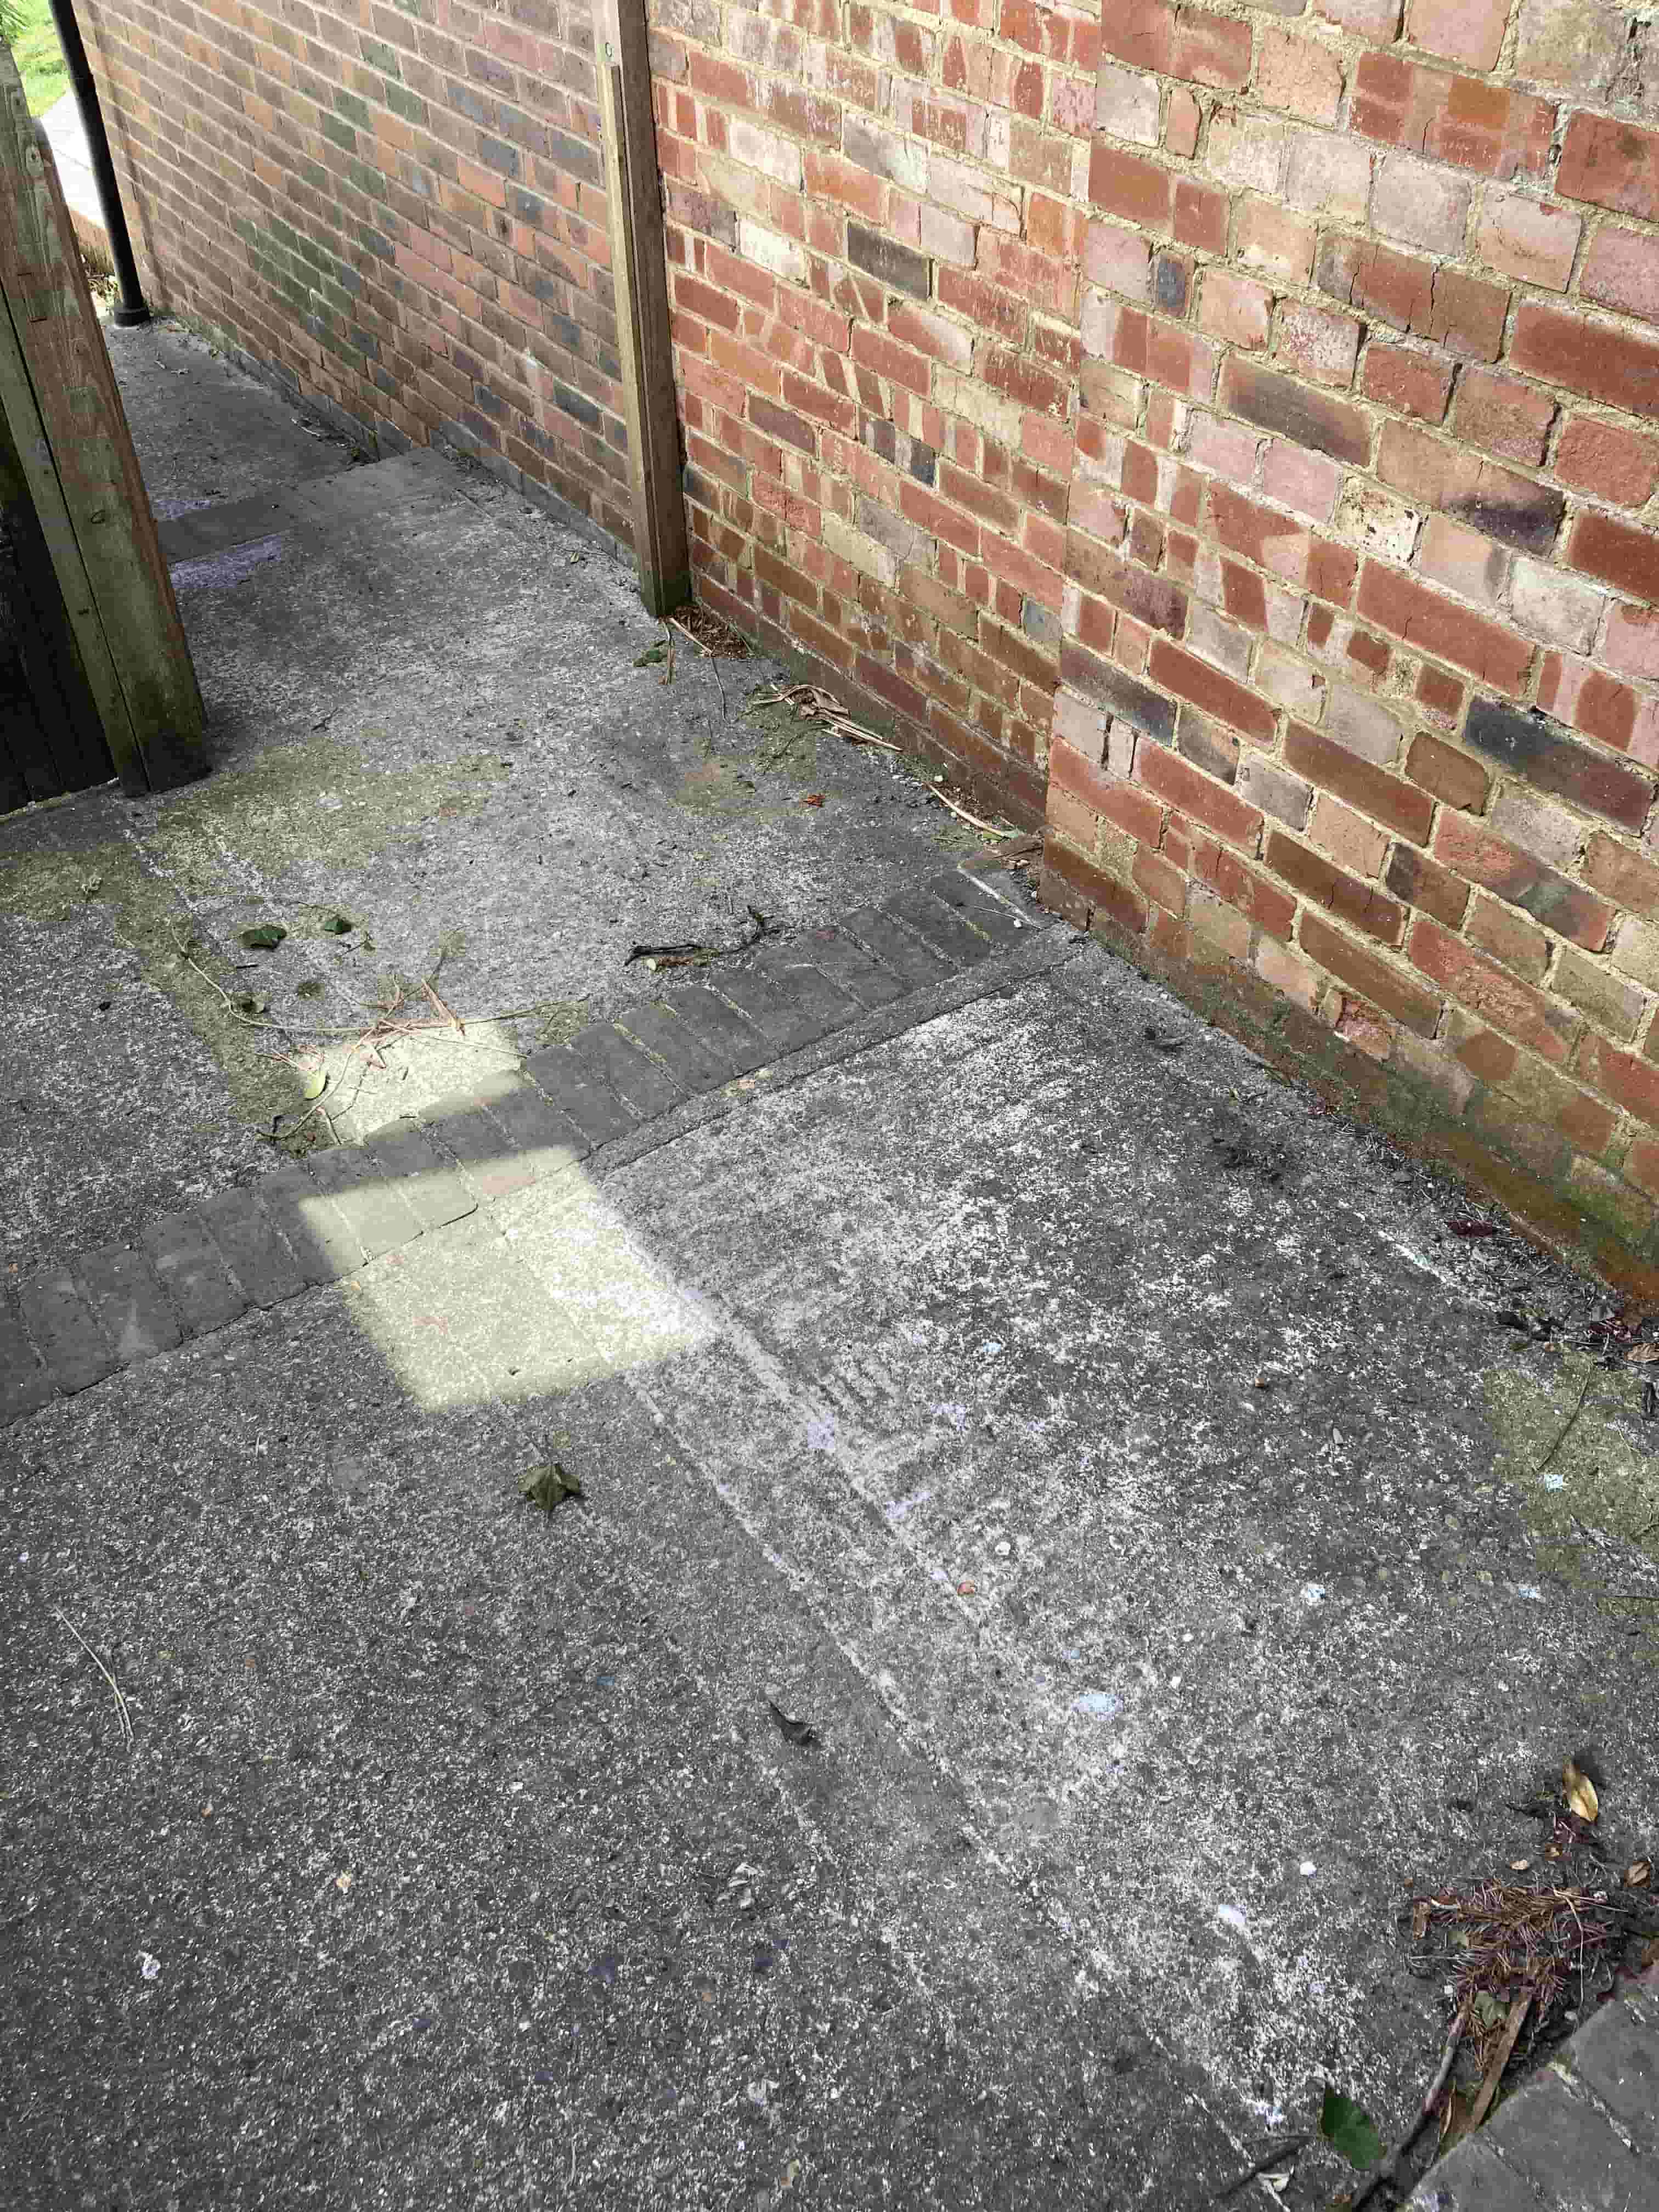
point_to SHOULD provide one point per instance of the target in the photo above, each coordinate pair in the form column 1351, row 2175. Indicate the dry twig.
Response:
column 1390, row 2165
column 121, row 1711
column 813, row 703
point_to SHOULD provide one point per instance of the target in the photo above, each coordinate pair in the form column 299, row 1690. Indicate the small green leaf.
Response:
column 1349, row 2129
column 651, row 656
column 264, row 937
column 339, row 925
column 315, row 1083
column 548, row 1486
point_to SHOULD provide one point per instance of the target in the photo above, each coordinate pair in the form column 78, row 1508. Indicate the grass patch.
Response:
column 26, row 27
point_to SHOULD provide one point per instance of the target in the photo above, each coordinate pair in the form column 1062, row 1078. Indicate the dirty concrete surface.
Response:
column 425, row 718
column 1120, row 1465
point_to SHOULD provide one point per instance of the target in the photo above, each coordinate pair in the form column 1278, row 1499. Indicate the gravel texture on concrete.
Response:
column 425, row 718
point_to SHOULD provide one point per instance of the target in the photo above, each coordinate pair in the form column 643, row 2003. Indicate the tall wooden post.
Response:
column 70, row 433
column 641, row 276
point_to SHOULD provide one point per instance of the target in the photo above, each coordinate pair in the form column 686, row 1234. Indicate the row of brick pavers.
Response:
column 318, row 1220
column 1582, row 2136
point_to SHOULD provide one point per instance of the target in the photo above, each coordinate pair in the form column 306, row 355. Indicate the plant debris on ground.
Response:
column 693, row 954
column 548, row 1486
column 1524, row 1957
column 708, row 633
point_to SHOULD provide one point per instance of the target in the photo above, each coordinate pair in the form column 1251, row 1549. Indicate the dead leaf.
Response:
column 1639, row 1875
column 1643, row 1355
column 548, row 1486
column 1580, row 1792
column 1420, row 1919
column 1519, row 1866
column 813, row 799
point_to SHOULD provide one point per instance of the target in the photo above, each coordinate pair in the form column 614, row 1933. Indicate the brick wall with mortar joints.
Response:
column 876, row 218
column 1359, row 699
column 399, row 209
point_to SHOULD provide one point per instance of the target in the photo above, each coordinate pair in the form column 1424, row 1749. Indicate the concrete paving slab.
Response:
column 425, row 720
column 1116, row 1462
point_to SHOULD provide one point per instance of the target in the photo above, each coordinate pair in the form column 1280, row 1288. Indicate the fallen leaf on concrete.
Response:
column 651, row 656
column 1639, row 1875
column 315, row 1083
column 1580, row 1792
column 813, row 799
column 1349, row 2129
column 548, row 1486
column 264, row 937
column 793, row 1729
column 338, row 925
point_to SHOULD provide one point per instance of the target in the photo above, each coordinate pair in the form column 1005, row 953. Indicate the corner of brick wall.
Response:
column 1357, row 729
column 397, row 211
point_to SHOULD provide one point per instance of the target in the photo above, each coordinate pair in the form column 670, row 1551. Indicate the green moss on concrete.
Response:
column 1569, row 1446
column 310, row 805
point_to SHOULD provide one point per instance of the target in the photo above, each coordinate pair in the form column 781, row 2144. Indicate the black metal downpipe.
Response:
column 130, row 308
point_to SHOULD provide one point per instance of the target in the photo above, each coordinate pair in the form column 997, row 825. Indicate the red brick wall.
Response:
column 875, row 240
column 399, row 209
column 1357, row 727
column 1234, row 431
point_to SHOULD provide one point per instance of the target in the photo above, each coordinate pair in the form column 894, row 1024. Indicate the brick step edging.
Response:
column 316, row 1221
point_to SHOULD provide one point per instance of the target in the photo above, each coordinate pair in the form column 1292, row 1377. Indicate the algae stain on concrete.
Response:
column 1566, row 1446
column 297, row 806
column 312, row 805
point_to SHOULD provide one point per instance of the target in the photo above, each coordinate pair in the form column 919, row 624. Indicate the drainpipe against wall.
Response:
column 130, row 308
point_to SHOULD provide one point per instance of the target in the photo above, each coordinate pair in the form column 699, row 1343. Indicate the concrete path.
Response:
column 1070, row 1533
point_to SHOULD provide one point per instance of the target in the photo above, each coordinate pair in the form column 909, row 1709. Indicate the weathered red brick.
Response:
column 1458, row 118
column 1608, row 460
column 1617, row 554
column 1422, row 883
column 1362, row 905
column 1489, row 991
column 1275, row 402
column 1505, row 417
column 1627, row 879
column 1421, row 618
column 1384, row 986
column 1128, row 185
column 1592, row 357
column 1629, row 1083
column 1210, row 49
column 1387, row 799
column 1450, row 774
column 1170, row 777
column 1189, row 678
column 1413, row 382
column 1612, row 164
column 1478, row 855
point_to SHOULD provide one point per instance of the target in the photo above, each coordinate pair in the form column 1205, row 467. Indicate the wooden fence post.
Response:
column 635, row 199
column 70, row 431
